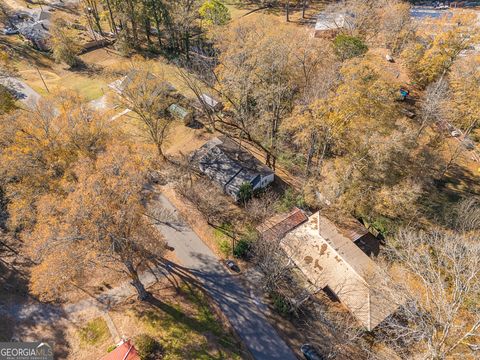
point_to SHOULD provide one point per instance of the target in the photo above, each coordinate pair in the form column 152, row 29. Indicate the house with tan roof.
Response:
column 331, row 260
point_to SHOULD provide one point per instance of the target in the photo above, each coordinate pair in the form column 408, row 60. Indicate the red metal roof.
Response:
column 277, row 226
column 126, row 351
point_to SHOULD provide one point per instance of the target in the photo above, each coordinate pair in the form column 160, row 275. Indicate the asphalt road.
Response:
column 234, row 300
column 22, row 91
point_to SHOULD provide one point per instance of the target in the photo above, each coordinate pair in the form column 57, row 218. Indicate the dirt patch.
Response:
column 183, row 140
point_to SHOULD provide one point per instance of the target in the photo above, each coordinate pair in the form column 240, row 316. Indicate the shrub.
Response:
column 241, row 249
column 245, row 193
column 290, row 199
column 348, row 47
column 7, row 101
column 214, row 12
column 65, row 45
column 147, row 347
column 279, row 303
column 94, row 331
column 225, row 247
column 382, row 225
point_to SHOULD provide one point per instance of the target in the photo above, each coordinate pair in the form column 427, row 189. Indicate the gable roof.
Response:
column 277, row 226
column 226, row 162
column 40, row 15
column 121, row 84
column 125, row 351
column 328, row 258
column 210, row 101
column 347, row 225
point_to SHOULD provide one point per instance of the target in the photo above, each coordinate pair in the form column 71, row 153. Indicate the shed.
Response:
column 40, row 15
column 37, row 33
column 180, row 113
column 211, row 103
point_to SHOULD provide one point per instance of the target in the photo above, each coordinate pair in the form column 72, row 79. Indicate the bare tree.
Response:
column 260, row 208
column 440, row 287
column 431, row 106
column 148, row 96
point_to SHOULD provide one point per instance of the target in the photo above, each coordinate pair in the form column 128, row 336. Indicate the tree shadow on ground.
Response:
column 91, row 70
column 23, row 316
column 28, row 318
column 179, row 316
column 456, row 185
column 35, row 57
column 192, row 286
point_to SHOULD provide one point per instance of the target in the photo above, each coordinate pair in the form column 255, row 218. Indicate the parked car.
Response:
column 456, row 133
column 10, row 31
column 232, row 266
column 310, row 353
column 469, row 144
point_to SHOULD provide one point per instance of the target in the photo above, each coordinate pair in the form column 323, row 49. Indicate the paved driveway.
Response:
column 234, row 300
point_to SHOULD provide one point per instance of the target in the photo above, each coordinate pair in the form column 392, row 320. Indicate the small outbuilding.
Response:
column 37, row 33
column 180, row 113
column 211, row 103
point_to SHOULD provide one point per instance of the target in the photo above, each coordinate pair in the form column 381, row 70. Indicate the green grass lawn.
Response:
column 94, row 332
column 88, row 87
column 188, row 331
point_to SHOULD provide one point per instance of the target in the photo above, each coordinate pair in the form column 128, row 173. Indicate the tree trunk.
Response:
column 133, row 21
column 187, row 45
column 288, row 10
column 311, row 152
column 135, row 281
column 147, row 30
column 304, row 6
column 96, row 17
column 160, row 152
column 112, row 19
column 156, row 18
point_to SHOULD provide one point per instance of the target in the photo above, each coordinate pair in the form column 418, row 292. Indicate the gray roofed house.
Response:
column 121, row 84
column 230, row 166
column 37, row 33
column 40, row 15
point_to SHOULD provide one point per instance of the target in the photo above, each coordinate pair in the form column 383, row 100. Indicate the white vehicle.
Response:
column 456, row 133
column 10, row 31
